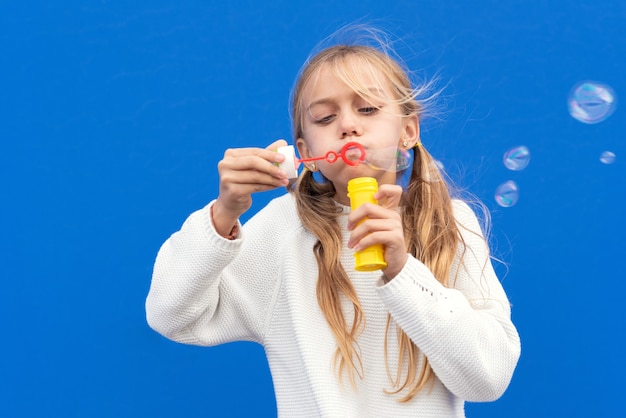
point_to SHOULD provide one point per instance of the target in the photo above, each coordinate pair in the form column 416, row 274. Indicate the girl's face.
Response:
column 333, row 114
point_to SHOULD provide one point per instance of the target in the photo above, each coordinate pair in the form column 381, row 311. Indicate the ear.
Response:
column 303, row 148
column 411, row 132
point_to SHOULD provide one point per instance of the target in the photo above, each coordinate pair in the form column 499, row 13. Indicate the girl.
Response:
column 417, row 338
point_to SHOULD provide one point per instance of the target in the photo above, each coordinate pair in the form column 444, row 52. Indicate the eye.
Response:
column 323, row 120
column 369, row 110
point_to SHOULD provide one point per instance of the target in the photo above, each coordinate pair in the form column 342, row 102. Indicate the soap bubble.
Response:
column 591, row 102
column 389, row 159
column 607, row 157
column 507, row 194
column 517, row 158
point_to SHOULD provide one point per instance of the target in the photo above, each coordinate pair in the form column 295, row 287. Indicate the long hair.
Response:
column 431, row 233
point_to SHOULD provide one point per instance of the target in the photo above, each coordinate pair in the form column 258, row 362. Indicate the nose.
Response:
column 349, row 126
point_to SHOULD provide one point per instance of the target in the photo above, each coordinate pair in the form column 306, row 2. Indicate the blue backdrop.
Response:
column 115, row 114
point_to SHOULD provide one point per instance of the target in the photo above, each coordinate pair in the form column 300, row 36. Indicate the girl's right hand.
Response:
column 244, row 171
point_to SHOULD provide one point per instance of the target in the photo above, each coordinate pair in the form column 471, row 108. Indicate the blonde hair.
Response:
column 430, row 229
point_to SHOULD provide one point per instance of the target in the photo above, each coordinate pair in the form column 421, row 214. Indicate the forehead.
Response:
column 346, row 76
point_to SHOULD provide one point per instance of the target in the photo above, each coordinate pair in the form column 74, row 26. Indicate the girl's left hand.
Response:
column 382, row 224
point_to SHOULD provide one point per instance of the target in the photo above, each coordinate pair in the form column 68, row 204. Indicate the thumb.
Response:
column 276, row 144
column 389, row 196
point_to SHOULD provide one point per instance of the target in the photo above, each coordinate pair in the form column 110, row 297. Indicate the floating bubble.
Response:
column 591, row 102
column 517, row 158
column 607, row 157
column 507, row 194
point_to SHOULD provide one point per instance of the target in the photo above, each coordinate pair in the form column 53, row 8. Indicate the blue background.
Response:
column 115, row 114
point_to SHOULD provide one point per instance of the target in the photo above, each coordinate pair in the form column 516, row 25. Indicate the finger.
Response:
column 371, row 226
column 267, row 154
column 371, row 211
column 249, row 183
column 242, row 182
column 276, row 144
column 251, row 162
column 393, row 245
column 236, row 187
column 378, row 220
column 270, row 154
column 255, row 161
column 389, row 195
column 243, row 172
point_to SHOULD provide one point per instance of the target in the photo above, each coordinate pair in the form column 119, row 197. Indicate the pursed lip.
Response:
column 359, row 153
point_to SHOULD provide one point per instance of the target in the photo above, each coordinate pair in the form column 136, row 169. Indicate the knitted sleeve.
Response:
column 465, row 331
column 203, row 292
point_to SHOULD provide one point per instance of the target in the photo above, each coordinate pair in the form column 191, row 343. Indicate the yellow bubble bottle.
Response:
column 361, row 190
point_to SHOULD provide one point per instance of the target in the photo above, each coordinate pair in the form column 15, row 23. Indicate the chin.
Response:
column 362, row 171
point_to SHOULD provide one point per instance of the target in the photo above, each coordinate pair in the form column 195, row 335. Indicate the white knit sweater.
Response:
column 207, row 290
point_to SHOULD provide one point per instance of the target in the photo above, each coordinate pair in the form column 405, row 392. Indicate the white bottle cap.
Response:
column 290, row 165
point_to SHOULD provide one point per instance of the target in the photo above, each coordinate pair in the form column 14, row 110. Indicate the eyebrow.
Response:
column 327, row 100
column 320, row 102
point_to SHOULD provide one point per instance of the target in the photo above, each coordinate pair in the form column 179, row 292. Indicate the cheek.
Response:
column 314, row 140
column 395, row 130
